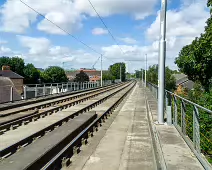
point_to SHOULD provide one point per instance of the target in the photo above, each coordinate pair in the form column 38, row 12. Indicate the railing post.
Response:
column 196, row 129
column 25, row 97
column 175, row 110
column 168, row 110
column 57, row 88
column 36, row 91
column 44, row 90
column 11, row 94
column 62, row 88
column 74, row 86
column 67, row 87
column 51, row 89
column 183, row 121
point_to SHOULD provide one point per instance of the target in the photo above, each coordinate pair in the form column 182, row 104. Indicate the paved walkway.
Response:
column 126, row 144
column 174, row 152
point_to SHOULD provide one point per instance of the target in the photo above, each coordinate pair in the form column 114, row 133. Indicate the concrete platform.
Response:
column 174, row 152
column 124, row 143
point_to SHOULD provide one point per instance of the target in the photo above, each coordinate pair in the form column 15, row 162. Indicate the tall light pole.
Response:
column 162, row 47
column 143, row 76
column 145, row 68
column 120, row 72
column 101, row 70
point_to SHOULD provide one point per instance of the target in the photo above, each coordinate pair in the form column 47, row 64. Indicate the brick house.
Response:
column 94, row 75
column 16, row 79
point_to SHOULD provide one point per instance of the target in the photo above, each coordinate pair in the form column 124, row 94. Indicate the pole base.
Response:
column 157, row 123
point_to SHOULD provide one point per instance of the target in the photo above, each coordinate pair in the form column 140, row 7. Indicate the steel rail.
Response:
column 46, row 98
column 62, row 159
column 13, row 123
column 26, row 141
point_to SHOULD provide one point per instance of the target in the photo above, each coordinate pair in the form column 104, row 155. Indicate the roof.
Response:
column 10, row 74
column 89, row 73
column 182, row 79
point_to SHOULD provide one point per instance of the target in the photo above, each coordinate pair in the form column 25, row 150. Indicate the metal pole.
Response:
column 142, row 73
column 120, row 72
column 145, row 70
column 101, row 70
column 11, row 94
column 161, row 82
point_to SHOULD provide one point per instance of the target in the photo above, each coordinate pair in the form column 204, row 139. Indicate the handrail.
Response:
column 188, row 101
column 192, row 121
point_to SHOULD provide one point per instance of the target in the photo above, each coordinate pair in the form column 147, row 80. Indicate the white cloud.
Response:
column 3, row 41
column 128, row 40
column 35, row 45
column 99, row 31
column 68, row 14
column 138, row 8
column 43, row 53
column 183, row 25
column 62, row 14
column 5, row 50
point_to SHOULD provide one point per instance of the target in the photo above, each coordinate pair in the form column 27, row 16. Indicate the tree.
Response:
column 115, row 71
column 81, row 77
column 195, row 60
column 16, row 64
column 108, row 76
column 152, row 77
column 54, row 74
column 31, row 74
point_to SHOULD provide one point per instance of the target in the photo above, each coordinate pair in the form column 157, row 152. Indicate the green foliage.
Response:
column 81, row 77
column 16, row 64
column 195, row 60
column 31, row 74
column 108, row 76
column 115, row 71
column 138, row 73
column 152, row 77
column 54, row 74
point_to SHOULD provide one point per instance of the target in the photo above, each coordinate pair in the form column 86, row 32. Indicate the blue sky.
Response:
column 134, row 24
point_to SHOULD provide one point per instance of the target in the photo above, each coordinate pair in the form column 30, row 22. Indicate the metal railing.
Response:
column 11, row 93
column 193, row 122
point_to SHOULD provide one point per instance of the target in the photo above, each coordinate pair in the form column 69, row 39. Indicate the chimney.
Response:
column 5, row 68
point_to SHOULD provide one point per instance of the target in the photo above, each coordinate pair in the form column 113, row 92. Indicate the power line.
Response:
column 96, row 62
column 105, row 26
column 60, row 28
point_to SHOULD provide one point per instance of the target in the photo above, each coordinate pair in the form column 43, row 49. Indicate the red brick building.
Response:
column 94, row 75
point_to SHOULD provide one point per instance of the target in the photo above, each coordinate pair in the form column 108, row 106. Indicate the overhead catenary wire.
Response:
column 61, row 28
column 106, row 26
column 65, row 31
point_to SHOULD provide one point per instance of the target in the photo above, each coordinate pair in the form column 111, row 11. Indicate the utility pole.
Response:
column 161, row 82
column 120, row 72
column 101, row 70
column 145, row 68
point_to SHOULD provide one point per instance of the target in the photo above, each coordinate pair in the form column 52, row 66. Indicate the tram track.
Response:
column 38, row 110
column 8, row 151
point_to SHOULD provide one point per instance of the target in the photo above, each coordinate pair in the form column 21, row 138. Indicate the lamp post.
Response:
column 161, row 71
column 101, row 70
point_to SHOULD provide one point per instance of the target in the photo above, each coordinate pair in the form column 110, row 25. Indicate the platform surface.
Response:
column 126, row 144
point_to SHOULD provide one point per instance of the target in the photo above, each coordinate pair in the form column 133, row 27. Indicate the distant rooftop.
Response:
column 6, row 72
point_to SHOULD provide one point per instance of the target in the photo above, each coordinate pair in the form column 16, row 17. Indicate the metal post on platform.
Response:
column 51, row 89
column 44, row 90
column 36, row 90
column 161, row 82
column 25, row 97
column 101, row 71
column 145, row 68
column 120, row 72
column 11, row 94
column 57, row 88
